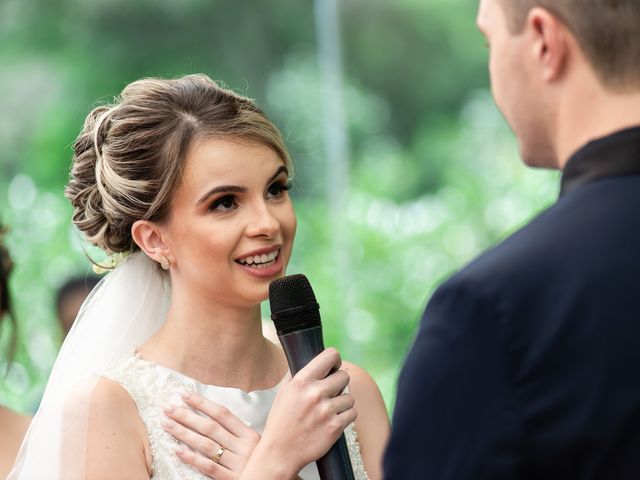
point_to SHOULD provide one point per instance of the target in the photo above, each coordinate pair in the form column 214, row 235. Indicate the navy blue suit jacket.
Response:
column 526, row 364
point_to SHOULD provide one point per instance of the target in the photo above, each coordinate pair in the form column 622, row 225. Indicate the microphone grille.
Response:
column 293, row 303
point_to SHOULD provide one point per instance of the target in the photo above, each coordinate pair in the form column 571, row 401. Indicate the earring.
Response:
column 164, row 263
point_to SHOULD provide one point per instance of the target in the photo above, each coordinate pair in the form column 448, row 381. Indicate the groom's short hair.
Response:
column 608, row 32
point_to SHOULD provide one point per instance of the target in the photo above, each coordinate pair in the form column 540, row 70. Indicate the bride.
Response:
column 166, row 373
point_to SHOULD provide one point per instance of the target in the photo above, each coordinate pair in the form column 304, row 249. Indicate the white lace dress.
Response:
column 153, row 387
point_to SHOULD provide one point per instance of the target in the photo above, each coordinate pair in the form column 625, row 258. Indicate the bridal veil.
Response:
column 126, row 308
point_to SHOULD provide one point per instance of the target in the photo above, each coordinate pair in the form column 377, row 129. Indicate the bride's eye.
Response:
column 224, row 204
column 276, row 190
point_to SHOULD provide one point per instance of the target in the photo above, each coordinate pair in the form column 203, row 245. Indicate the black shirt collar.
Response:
column 613, row 155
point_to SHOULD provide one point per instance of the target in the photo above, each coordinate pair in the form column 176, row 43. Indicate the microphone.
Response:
column 296, row 316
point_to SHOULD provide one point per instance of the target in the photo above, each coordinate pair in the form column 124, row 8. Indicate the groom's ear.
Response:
column 150, row 238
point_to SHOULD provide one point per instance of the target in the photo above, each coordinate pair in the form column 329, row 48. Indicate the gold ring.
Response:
column 218, row 455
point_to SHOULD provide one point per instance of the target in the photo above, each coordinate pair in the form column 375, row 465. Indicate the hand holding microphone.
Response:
column 296, row 316
column 310, row 412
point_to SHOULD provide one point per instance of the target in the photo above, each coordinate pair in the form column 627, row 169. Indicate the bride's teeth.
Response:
column 260, row 261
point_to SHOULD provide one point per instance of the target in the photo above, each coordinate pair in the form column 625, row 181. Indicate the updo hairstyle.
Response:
column 129, row 156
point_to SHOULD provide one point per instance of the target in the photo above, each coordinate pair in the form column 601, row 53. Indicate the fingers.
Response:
column 338, row 412
column 210, row 429
column 321, row 365
column 342, row 403
column 341, row 414
column 220, row 414
column 320, row 377
column 335, row 383
column 206, row 453
column 207, row 446
column 205, row 465
column 347, row 418
column 199, row 432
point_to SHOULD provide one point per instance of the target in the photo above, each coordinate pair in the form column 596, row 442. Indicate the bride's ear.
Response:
column 150, row 238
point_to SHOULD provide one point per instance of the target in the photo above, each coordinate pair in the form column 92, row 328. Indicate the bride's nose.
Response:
column 262, row 222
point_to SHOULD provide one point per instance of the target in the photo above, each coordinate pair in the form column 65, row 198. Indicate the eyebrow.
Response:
column 236, row 188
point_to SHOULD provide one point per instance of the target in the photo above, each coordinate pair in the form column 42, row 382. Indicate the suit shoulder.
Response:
column 529, row 254
column 563, row 245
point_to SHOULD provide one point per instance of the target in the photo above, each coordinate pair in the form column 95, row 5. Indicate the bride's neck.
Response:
column 216, row 344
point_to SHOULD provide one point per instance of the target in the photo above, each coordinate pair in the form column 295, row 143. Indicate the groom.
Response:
column 527, row 362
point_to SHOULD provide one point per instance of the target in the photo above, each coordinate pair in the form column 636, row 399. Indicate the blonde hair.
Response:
column 608, row 32
column 129, row 156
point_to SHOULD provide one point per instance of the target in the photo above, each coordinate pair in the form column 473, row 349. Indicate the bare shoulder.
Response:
column 13, row 420
column 361, row 383
column 111, row 406
column 115, row 437
column 109, row 395
column 14, row 425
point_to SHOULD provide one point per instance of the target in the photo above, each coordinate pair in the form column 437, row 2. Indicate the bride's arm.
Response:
column 372, row 424
column 117, row 444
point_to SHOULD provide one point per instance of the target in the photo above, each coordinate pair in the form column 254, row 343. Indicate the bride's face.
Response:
column 231, row 226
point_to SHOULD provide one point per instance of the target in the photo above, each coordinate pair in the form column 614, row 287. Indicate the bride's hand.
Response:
column 222, row 442
column 308, row 416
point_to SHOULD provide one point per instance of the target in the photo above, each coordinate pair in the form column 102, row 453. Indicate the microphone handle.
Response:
column 301, row 347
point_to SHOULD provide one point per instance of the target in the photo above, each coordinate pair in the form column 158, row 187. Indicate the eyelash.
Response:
column 220, row 201
column 281, row 188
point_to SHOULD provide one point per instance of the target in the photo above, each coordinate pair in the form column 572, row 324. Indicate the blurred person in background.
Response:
column 12, row 424
column 526, row 363
column 166, row 373
column 69, row 299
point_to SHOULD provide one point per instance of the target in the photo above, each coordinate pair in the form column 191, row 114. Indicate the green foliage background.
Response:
column 434, row 172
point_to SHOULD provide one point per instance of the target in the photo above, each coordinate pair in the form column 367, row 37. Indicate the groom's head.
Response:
column 607, row 31
column 542, row 50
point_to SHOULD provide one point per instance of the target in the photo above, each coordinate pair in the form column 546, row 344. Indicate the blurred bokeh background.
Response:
column 405, row 169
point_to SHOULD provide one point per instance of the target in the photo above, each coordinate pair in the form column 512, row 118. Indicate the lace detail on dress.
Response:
column 152, row 390
column 154, row 387
column 354, row 453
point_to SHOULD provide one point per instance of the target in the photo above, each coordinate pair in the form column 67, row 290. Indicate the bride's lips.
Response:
column 273, row 268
